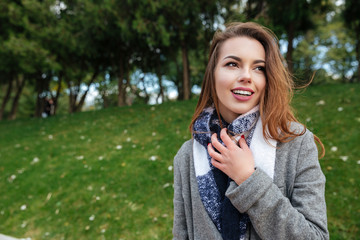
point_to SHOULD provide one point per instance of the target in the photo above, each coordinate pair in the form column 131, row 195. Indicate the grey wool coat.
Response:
column 290, row 206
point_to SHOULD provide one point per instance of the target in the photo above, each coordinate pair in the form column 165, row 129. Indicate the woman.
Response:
column 251, row 170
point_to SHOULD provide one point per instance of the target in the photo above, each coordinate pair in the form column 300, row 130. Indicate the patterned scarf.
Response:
column 212, row 182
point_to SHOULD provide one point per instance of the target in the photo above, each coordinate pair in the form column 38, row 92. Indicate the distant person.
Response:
column 251, row 170
column 48, row 107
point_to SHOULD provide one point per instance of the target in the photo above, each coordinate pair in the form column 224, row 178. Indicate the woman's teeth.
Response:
column 242, row 92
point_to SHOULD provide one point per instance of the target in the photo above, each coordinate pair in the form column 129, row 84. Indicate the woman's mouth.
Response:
column 244, row 93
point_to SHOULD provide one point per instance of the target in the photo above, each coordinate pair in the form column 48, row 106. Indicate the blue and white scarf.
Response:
column 212, row 182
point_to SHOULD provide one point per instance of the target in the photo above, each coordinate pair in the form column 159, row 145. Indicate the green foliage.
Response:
column 107, row 94
column 329, row 48
column 341, row 52
column 21, row 51
column 305, row 58
column 61, row 43
column 351, row 16
column 108, row 174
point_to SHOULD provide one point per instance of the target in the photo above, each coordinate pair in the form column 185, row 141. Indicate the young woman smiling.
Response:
column 251, row 170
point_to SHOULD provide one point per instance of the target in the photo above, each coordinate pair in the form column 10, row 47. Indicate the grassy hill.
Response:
column 108, row 174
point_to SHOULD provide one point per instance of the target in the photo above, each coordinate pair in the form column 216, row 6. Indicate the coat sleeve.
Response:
column 179, row 225
column 302, row 214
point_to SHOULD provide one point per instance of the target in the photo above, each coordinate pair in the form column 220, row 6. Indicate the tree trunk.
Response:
column 178, row 81
column 105, row 100
column 20, row 83
column 357, row 47
column 186, row 78
column 147, row 97
column 161, row 91
column 42, row 85
column 248, row 10
column 71, row 96
column 39, row 106
column 127, row 100
column 161, row 87
column 290, row 48
column 57, row 94
column 253, row 9
column 79, row 106
column 6, row 98
column 121, row 88
column 39, row 100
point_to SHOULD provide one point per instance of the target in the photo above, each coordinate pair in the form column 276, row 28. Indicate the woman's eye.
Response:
column 260, row 68
column 231, row 64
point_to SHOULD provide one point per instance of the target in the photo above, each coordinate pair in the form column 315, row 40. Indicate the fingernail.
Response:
column 242, row 136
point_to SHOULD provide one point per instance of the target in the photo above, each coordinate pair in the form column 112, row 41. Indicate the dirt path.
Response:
column 4, row 237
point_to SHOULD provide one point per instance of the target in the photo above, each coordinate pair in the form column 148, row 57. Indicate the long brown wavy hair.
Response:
column 275, row 110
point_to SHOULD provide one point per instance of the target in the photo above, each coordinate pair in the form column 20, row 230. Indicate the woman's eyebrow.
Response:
column 233, row 57
column 259, row 61
column 239, row 59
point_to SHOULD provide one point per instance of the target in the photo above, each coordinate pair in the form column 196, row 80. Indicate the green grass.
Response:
column 89, row 175
column 337, row 123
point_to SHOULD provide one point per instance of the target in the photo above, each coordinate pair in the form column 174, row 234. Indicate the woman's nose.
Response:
column 245, row 75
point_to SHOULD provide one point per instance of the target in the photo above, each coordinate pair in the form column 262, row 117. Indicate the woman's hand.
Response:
column 236, row 162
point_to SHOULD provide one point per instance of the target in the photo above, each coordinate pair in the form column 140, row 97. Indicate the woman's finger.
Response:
column 242, row 143
column 216, row 144
column 216, row 164
column 215, row 155
column 226, row 139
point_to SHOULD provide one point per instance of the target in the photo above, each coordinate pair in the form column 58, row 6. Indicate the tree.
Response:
column 329, row 46
column 81, row 57
column 340, row 54
column 112, row 34
column 305, row 57
column 22, row 56
column 352, row 20
column 293, row 18
column 178, row 27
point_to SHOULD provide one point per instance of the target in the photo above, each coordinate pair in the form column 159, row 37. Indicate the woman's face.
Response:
column 239, row 76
